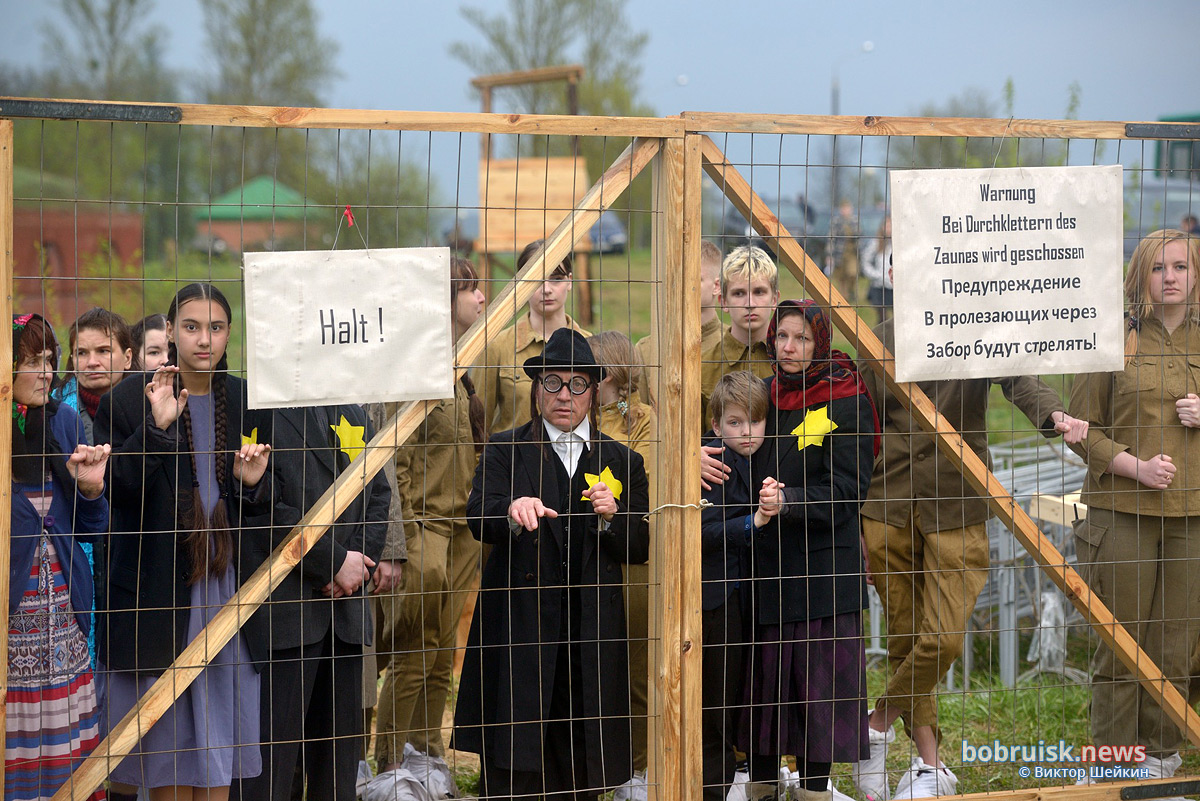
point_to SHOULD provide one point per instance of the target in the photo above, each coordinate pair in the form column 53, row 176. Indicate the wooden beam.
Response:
column 675, row 568
column 346, row 488
column 720, row 122
column 558, row 72
column 6, row 388
column 684, row 304
column 290, row 117
column 871, row 351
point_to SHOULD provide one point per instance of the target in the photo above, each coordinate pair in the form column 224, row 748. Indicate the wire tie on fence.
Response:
column 704, row 504
column 1003, row 139
column 348, row 216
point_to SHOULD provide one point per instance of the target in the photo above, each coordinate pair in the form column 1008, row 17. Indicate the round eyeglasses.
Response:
column 553, row 383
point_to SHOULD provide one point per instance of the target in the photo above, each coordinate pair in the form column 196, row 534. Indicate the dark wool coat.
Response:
column 510, row 668
column 727, row 526
column 809, row 563
column 305, row 461
column 148, row 598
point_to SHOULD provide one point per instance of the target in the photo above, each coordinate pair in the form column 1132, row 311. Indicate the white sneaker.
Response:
column 870, row 775
column 926, row 781
column 737, row 790
column 836, row 794
column 1163, row 768
column 633, row 790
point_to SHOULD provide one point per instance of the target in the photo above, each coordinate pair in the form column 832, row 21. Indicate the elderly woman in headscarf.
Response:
column 53, row 720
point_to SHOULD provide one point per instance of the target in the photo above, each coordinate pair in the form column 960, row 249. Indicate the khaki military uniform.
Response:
column 419, row 624
column 1139, row 548
column 652, row 361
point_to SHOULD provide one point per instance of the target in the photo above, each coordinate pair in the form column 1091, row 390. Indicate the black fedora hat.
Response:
column 567, row 349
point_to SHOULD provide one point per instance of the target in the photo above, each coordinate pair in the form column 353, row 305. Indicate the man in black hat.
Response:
column 544, row 693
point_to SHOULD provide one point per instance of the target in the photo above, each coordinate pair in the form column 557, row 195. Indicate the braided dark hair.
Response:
column 208, row 542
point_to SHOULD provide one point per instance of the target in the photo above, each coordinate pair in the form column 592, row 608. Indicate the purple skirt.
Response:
column 806, row 694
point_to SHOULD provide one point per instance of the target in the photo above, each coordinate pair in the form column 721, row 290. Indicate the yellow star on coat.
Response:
column 607, row 478
column 813, row 428
column 350, row 438
column 251, row 438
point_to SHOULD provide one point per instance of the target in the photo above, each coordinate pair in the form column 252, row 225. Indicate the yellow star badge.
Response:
column 350, row 438
column 251, row 438
column 606, row 478
column 813, row 429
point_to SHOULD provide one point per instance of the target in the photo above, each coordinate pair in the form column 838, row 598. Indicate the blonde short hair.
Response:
column 751, row 264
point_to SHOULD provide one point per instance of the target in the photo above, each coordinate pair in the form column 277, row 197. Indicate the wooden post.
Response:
column 348, row 486
column 676, row 566
column 871, row 351
column 6, row 357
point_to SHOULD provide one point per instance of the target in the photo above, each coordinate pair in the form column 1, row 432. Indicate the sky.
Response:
column 1133, row 61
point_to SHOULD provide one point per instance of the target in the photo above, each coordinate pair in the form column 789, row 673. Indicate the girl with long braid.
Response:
column 186, row 468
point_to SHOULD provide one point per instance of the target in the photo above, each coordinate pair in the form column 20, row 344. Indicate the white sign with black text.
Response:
column 1013, row 271
column 348, row 326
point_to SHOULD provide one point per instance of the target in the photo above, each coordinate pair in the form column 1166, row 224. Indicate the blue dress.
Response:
column 211, row 735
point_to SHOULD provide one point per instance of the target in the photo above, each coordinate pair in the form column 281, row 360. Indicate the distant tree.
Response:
column 266, row 52
column 108, row 49
column 392, row 201
column 956, row 151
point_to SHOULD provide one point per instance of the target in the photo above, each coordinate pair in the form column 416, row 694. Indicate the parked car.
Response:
column 608, row 234
column 1152, row 203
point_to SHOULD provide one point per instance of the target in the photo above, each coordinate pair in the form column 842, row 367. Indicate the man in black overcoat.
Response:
column 544, row 693
column 314, row 626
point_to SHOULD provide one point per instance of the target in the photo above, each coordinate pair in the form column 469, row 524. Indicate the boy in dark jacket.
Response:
column 740, row 506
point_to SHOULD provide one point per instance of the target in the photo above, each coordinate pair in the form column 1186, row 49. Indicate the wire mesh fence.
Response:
column 436, row 598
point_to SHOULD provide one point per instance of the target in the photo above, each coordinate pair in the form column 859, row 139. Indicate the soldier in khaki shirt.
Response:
column 418, row 625
column 502, row 383
column 924, row 530
column 1139, row 548
column 711, row 328
column 749, row 294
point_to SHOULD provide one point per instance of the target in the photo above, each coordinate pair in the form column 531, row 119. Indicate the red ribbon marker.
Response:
column 349, row 215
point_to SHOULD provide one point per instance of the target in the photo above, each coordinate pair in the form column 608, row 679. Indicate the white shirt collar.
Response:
column 569, row 451
column 583, row 430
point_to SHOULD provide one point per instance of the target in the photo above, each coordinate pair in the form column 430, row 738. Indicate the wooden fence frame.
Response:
column 679, row 152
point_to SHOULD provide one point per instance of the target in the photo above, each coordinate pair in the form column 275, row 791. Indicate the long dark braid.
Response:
column 475, row 414
column 208, row 541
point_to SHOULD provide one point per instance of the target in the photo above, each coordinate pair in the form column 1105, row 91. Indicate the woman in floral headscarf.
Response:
column 57, row 501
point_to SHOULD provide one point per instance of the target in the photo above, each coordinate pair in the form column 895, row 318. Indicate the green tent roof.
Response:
column 259, row 198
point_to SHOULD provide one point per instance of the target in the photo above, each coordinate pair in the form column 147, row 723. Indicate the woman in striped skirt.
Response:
column 57, row 501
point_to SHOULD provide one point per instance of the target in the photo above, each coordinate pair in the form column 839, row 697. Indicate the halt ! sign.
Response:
column 351, row 326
